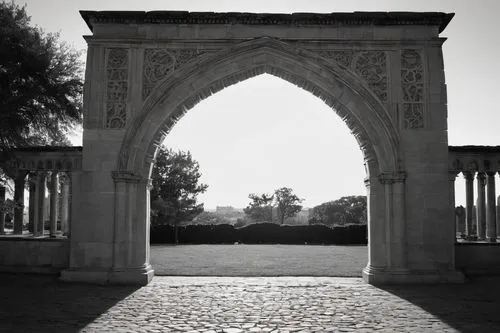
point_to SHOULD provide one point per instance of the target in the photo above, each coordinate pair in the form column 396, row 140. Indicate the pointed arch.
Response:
column 335, row 84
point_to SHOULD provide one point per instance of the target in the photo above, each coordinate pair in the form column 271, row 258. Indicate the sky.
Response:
column 265, row 133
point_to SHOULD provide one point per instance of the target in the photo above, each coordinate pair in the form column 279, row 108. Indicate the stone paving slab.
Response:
column 236, row 304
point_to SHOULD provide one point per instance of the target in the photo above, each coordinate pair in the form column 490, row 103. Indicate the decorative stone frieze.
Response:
column 412, row 86
column 371, row 66
column 158, row 63
column 116, row 87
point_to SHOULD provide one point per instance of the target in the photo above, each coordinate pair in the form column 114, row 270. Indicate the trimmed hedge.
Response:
column 260, row 233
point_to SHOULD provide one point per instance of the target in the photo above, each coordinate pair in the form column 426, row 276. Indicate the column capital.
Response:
column 481, row 177
column 469, row 175
column 392, row 177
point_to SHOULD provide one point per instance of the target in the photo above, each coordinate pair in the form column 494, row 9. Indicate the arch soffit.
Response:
column 335, row 84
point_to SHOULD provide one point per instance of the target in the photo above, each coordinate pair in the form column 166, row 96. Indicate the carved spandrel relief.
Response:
column 343, row 57
column 116, row 88
column 412, row 86
column 371, row 66
column 158, row 63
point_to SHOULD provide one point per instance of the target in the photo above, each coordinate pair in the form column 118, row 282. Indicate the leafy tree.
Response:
column 283, row 199
column 40, row 83
column 209, row 218
column 260, row 208
column 287, row 203
column 175, row 188
column 350, row 209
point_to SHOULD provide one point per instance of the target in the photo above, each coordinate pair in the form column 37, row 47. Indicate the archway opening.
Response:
column 339, row 87
column 254, row 137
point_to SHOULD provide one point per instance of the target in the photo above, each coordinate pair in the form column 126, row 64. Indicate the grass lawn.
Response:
column 259, row 260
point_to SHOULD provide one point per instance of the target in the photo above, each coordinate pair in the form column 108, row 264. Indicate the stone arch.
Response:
column 335, row 84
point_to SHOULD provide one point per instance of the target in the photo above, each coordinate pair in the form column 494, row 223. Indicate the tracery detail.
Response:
column 371, row 66
column 158, row 63
column 116, row 88
column 412, row 85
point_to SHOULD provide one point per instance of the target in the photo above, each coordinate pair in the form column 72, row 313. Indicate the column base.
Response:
column 139, row 276
column 380, row 276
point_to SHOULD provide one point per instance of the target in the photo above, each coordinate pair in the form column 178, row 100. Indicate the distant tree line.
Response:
column 175, row 180
column 346, row 210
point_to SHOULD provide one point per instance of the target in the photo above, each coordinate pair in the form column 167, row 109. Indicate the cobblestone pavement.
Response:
column 225, row 304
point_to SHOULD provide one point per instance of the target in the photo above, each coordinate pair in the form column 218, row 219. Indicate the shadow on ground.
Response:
column 473, row 307
column 34, row 303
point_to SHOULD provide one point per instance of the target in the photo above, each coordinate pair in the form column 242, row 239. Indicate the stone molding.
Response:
column 332, row 19
column 392, row 177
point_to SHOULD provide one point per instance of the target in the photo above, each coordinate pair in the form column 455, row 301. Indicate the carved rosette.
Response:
column 371, row 66
column 158, row 63
column 116, row 88
column 412, row 85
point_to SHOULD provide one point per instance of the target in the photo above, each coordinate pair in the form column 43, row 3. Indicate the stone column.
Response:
column 460, row 220
column 498, row 216
column 19, row 201
column 452, row 175
column 38, row 225
column 469, row 202
column 2, row 210
column 491, row 227
column 131, row 233
column 481, row 206
column 65, row 205
column 31, row 202
column 394, row 189
column 53, row 203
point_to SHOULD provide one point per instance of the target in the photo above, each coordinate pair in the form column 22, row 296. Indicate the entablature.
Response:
column 474, row 159
column 175, row 25
column 48, row 158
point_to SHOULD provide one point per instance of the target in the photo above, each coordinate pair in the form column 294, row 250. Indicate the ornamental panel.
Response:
column 116, row 88
column 371, row 66
column 412, row 86
column 158, row 63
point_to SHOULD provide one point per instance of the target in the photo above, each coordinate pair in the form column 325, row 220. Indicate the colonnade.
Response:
column 58, row 184
column 478, row 221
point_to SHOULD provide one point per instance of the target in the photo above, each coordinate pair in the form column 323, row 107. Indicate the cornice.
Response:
column 324, row 19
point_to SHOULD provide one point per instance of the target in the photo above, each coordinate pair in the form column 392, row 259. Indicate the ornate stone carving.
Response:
column 343, row 57
column 371, row 66
column 158, row 63
column 116, row 88
column 412, row 85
